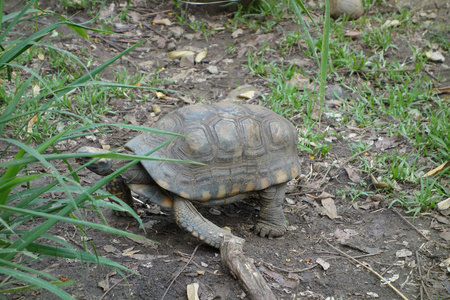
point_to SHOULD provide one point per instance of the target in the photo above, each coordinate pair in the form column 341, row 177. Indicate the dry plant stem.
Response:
column 375, row 71
column 410, row 224
column 290, row 271
column 179, row 272
column 422, row 285
column 104, row 294
column 368, row 268
column 233, row 258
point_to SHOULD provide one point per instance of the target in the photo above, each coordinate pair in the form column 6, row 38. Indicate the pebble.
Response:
column 334, row 92
column 351, row 8
column 213, row 70
column 171, row 46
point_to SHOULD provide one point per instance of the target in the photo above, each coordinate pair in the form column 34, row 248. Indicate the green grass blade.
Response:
column 36, row 281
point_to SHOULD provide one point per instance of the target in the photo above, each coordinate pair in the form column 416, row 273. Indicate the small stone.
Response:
column 176, row 31
column 171, row 46
column 212, row 70
column 351, row 8
column 334, row 92
column 403, row 253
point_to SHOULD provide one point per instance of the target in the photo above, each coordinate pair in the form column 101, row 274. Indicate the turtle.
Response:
column 245, row 151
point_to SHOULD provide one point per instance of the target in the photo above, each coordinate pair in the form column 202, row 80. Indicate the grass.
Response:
column 37, row 117
column 394, row 97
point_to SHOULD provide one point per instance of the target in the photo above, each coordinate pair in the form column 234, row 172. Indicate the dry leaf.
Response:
column 36, row 90
column 441, row 90
column 323, row 195
column 438, row 169
column 282, row 280
column 384, row 143
column 192, row 291
column 353, row 34
column 41, row 56
column 201, row 56
column 354, row 177
column 110, row 248
column 443, row 205
column 163, row 22
column 156, row 108
column 237, row 33
column 161, row 42
column 30, row 124
column 160, row 95
column 130, row 251
column 330, row 208
column 341, row 236
column 187, row 61
column 325, row 265
column 247, row 95
column 391, row 23
column 380, row 185
column 177, row 54
column 435, row 56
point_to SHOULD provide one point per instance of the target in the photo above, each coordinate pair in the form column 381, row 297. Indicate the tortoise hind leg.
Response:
column 188, row 218
column 271, row 221
column 118, row 187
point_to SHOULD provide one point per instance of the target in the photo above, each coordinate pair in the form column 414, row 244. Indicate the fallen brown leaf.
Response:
column 438, row 169
column 330, row 208
column 353, row 175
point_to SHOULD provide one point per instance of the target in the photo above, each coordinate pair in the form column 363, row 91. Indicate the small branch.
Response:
column 422, row 284
column 290, row 271
column 410, row 224
column 368, row 268
column 240, row 266
column 181, row 270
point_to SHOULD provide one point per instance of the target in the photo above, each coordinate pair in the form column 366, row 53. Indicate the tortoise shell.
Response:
column 244, row 148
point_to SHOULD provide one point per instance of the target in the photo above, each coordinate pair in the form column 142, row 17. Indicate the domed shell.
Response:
column 244, row 148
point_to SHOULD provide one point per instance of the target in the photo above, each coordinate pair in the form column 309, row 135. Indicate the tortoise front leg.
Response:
column 271, row 221
column 118, row 187
column 188, row 218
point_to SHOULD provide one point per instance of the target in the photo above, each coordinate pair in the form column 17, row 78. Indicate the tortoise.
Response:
column 246, row 151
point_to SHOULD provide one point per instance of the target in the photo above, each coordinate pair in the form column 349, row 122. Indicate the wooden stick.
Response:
column 368, row 268
column 233, row 258
column 181, row 270
column 410, row 224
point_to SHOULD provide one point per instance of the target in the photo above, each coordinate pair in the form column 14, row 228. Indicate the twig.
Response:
column 290, row 271
column 368, row 268
column 422, row 284
column 410, row 224
column 375, row 71
column 104, row 294
column 359, row 256
column 181, row 270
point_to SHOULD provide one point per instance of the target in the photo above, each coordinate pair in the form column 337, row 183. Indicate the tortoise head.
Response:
column 103, row 166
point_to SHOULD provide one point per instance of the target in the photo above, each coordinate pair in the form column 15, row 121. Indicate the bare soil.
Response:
column 405, row 250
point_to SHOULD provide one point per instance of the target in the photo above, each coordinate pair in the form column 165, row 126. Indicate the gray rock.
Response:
column 351, row 8
column 334, row 92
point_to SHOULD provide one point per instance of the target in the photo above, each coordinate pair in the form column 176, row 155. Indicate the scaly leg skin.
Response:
column 271, row 220
column 188, row 218
column 118, row 187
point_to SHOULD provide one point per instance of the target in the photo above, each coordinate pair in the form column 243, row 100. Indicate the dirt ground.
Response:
column 302, row 264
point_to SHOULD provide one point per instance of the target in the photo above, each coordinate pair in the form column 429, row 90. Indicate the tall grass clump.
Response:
column 32, row 123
